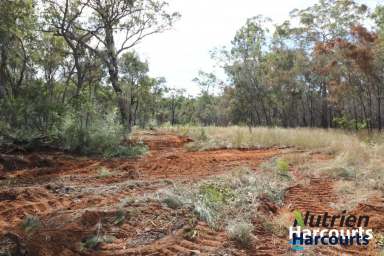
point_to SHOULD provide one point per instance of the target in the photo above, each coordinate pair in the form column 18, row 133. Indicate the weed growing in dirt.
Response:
column 277, row 166
column 173, row 201
column 214, row 194
column 240, row 232
column 119, row 218
column 103, row 172
column 30, row 223
column 92, row 242
column 191, row 233
column 282, row 165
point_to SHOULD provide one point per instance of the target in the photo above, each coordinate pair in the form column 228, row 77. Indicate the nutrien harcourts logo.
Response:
column 326, row 229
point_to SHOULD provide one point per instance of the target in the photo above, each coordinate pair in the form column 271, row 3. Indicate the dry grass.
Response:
column 219, row 198
column 351, row 194
column 240, row 232
column 357, row 160
column 332, row 141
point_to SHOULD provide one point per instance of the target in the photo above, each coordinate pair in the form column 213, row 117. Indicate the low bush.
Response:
column 103, row 172
column 240, row 232
column 30, row 223
column 216, row 200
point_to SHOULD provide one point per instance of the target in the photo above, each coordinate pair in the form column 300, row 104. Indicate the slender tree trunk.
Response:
column 305, row 124
column 354, row 112
column 3, row 61
column 378, row 105
column 324, row 106
column 113, row 71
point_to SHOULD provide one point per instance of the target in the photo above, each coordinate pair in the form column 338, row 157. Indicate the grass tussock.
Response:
column 103, row 172
column 240, row 232
column 218, row 199
column 30, row 223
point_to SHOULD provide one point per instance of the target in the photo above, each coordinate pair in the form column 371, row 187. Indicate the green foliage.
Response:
column 345, row 123
column 191, row 234
column 120, row 217
column 214, row 194
column 282, row 165
column 30, row 223
column 125, row 151
column 103, row 172
column 299, row 218
column 103, row 137
column 92, row 243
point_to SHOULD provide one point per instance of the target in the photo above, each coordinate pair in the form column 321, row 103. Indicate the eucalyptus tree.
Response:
column 17, row 23
column 245, row 68
column 318, row 25
column 108, row 28
column 135, row 83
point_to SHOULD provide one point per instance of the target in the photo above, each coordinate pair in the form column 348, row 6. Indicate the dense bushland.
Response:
column 66, row 80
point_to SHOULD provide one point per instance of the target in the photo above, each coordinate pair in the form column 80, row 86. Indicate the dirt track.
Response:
column 71, row 199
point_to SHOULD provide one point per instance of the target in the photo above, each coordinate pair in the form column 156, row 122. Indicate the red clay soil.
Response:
column 317, row 198
column 71, row 199
column 75, row 203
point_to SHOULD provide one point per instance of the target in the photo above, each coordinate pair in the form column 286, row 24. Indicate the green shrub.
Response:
column 215, row 194
column 94, row 241
column 173, row 201
column 30, row 223
column 103, row 172
column 125, row 151
column 282, row 165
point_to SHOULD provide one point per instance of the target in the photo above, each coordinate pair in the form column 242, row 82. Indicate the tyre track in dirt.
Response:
column 60, row 195
column 318, row 196
column 69, row 192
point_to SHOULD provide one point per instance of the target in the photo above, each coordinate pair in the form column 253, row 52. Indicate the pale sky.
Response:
column 180, row 53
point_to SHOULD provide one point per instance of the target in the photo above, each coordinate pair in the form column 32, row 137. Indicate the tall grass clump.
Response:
column 238, row 193
column 240, row 232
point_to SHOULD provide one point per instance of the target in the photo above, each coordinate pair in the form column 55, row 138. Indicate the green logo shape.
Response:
column 299, row 218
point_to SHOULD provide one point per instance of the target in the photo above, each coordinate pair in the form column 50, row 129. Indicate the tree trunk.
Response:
column 3, row 61
column 113, row 70
column 324, row 106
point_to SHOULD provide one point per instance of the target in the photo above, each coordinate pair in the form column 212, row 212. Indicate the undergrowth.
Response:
column 218, row 199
